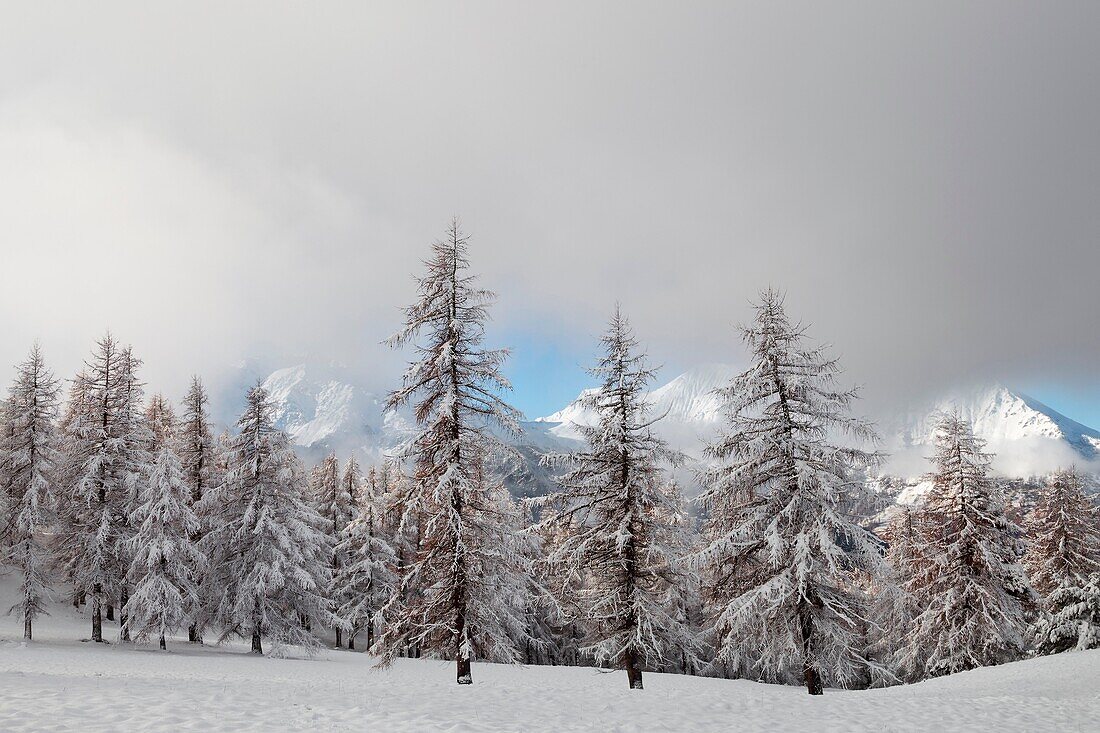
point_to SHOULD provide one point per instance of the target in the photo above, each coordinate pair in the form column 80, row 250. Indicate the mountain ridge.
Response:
column 323, row 409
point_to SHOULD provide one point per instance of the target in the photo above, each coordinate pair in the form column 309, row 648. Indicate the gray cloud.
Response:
column 214, row 183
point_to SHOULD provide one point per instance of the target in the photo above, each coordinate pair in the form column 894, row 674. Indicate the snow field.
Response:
column 59, row 684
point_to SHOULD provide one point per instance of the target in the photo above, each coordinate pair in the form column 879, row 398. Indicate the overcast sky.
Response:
column 923, row 179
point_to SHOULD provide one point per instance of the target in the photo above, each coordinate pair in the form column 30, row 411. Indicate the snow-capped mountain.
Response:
column 1001, row 417
column 324, row 408
column 1029, row 438
column 690, row 409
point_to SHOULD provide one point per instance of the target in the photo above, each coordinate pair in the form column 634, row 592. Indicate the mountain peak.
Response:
column 1005, row 418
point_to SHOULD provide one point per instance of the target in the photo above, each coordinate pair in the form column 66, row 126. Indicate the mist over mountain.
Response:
column 324, row 408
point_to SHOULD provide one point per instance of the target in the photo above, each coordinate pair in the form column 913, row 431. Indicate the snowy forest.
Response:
column 126, row 504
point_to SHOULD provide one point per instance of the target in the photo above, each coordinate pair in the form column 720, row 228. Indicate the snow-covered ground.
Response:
column 58, row 683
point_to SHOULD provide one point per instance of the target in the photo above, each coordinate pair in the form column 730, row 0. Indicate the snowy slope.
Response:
column 58, row 683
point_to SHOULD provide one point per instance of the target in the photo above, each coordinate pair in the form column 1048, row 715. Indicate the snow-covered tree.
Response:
column 366, row 578
column 165, row 561
column 105, row 455
column 893, row 608
column 199, row 460
column 972, row 590
column 161, row 421
column 1063, row 534
column 454, row 385
column 336, row 505
column 621, row 521
column 136, row 441
column 1062, row 560
column 31, row 460
column 268, row 553
column 1073, row 618
column 782, row 551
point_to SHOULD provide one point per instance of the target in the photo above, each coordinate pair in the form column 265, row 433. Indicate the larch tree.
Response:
column 893, row 608
column 1072, row 618
column 161, row 422
column 336, row 505
column 366, row 578
column 31, row 460
column 98, row 480
column 1063, row 534
column 781, row 550
column 1063, row 562
column 165, row 561
column 454, row 384
column 136, row 442
column 972, row 590
column 621, row 521
column 199, row 461
column 268, row 553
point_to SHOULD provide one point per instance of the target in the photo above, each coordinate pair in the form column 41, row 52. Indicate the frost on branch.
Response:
column 972, row 591
column 782, row 551
column 462, row 593
column 269, row 553
column 620, row 524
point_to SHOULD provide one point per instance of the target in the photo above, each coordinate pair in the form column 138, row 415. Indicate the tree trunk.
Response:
column 110, row 612
column 339, row 638
column 162, row 644
column 124, row 632
column 370, row 635
column 633, row 671
column 97, row 619
column 193, row 634
column 464, row 676
column 810, row 674
column 27, row 626
column 257, row 648
column 351, row 640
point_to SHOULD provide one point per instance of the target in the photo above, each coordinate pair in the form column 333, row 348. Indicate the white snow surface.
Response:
column 57, row 683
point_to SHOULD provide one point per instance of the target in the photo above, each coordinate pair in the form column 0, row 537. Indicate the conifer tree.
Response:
column 336, row 507
column 199, row 460
column 98, row 479
column 972, row 591
column 366, row 579
column 136, row 442
column 1063, row 532
column 31, row 460
column 454, row 385
column 269, row 555
column 782, row 551
column 1072, row 620
column 621, row 521
column 1063, row 562
column 161, row 422
column 165, row 560
column 7, row 487
column 893, row 608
